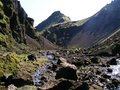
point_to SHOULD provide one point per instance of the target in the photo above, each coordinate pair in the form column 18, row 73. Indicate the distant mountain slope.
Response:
column 59, row 29
column 99, row 26
column 110, row 45
column 55, row 18
column 45, row 43
column 87, row 32
column 62, row 33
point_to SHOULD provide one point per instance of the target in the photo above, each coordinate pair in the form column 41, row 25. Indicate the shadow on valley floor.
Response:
column 20, row 82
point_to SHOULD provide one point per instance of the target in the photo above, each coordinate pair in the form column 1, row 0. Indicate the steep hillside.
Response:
column 111, row 45
column 16, row 28
column 62, row 33
column 99, row 27
column 55, row 18
column 14, row 24
column 45, row 43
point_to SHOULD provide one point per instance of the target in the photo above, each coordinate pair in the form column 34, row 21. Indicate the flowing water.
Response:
column 43, row 69
column 115, row 70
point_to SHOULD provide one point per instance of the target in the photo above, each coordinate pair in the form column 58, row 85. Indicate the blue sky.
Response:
column 39, row 10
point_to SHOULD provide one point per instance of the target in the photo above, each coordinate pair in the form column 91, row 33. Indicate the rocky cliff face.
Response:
column 14, row 24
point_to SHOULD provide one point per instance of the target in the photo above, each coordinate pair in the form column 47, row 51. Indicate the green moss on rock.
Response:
column 8, row 63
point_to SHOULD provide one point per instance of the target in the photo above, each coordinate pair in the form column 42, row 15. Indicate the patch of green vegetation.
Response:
column 3, row 88
column 81, row 22
column 20, row 48
column 8, row 63
column 30, row 87
column 41, row 61
column 103, row 40
column 1, row 4
column 4, row 40
column 4, row 19
column 26, row 67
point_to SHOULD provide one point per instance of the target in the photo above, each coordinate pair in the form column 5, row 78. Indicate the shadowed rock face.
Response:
column 66, row 72
column 15, row 23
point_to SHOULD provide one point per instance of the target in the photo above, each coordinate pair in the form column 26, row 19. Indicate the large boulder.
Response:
column 116, row 49
column 83, row 86
column 63, row 85
column 104, row 54
column 8, row 79
column 81, row 62
column 67, row 71
column 113, row 61
column 32, row 57
column 96, row 60
column 61, row 60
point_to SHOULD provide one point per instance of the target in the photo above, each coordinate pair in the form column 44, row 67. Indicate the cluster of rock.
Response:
column 68, row 70
column 74, row 71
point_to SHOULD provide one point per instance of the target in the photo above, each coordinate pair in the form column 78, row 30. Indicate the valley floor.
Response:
column 64, row 70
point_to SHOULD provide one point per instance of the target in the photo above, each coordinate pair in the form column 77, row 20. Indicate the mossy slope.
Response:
column 14, row 25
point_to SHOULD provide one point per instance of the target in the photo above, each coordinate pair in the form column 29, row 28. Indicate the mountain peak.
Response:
column 56, row 13
column 58, row 16
column 55, row 18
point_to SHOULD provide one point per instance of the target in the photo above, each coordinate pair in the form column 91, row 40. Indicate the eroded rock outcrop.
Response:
column 14, row 24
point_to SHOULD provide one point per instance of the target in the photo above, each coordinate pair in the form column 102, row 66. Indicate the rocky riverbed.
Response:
column 77, row 72
column 69, row 70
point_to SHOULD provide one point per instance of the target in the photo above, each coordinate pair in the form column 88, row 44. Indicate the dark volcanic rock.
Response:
column 80, row 62
column 109, row 70
column 68, row 72
column 116, row 49
column 8, row 79
column 115, row 82
column 113, row 61
column 84, row 86
column 96, row 60
column 64, row 85
column 104, row 54
column 32, row 57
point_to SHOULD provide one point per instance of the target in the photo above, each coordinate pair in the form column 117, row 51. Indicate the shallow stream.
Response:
column 115, row 70
column 43, row 69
